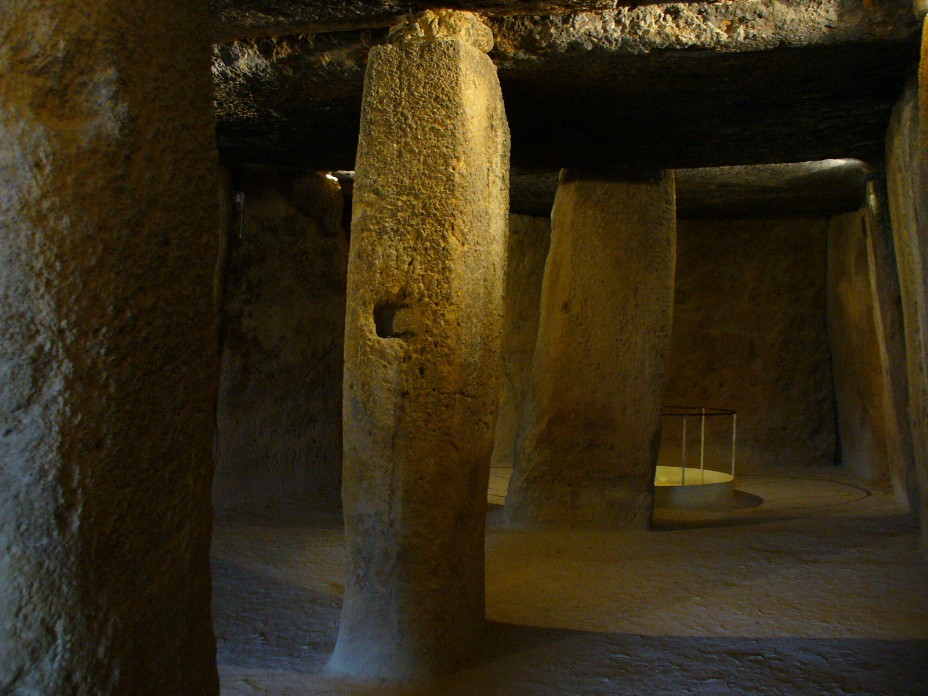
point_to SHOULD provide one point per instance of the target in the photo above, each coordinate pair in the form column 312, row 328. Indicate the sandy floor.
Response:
column 814, row 585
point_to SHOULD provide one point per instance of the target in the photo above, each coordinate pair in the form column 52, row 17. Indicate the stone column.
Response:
column 907, row 183
column 422, row 337
column 590, row 445
column 529, row 238
column 108, row 222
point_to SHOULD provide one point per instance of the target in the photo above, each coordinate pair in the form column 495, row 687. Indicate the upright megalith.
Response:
column 529, row 238
column 108, row 243
column 907, row 184
column 854, row 333
column 422, row 336
column 592, row 431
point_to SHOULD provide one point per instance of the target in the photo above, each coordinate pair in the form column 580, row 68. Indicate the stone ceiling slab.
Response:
column 674, row 85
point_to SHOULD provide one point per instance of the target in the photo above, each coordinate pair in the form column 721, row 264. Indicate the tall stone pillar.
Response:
column 907, row 183
column 422, row 337
column 108, row 222
column 590, row 445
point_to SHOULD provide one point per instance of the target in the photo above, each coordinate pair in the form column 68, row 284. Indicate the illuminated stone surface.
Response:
column 591, row 434
column 422, row 340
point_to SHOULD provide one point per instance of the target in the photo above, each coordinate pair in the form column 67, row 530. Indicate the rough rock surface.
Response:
column 673, row 85
column 422, row 341
column 859, row 378
column 749, row 333
column 591, row 430
column 268, row 17
column 892, row 341
column 907, row 182
column 587, row 22
column 108, row 221
column 799, row 189
column 283, row 323
column 529, row 239
column 816, row 587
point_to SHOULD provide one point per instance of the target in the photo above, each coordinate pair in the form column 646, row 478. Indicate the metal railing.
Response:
column 702, row 412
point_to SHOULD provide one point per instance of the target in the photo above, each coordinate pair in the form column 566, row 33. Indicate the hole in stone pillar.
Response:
column 392, row 320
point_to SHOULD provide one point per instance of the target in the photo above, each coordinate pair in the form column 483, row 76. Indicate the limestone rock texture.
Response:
column 907, row 183
column 591, row 431
column 422, row 341
column 892, row 343
column 279, row 416
column 529, row 240
column 250, row 18
column 699, row 84
column 797, row 189
column 750, row 334
column 853, row 332
column 108, row 221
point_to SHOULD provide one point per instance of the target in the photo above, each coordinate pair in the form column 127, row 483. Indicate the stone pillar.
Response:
column 529, row 238
column 907, row 183
column 590, row 446
column 422, row 338
column 108, row 221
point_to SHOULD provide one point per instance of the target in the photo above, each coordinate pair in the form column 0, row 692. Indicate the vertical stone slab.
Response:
column 907, row 183
column 887, row 304
column 772, row 366
column 422, row 337
column 855, row 351
column 279, row 415
column 590, row 446
column 108, row 221
column 529, row 238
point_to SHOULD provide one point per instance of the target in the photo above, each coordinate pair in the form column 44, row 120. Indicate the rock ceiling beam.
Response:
column 674, row 85
column 251, row 18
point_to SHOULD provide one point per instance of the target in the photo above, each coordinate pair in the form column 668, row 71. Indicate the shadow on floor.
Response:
column 602, row 663
column 263, row 623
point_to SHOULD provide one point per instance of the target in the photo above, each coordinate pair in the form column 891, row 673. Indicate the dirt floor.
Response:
column 807, row 584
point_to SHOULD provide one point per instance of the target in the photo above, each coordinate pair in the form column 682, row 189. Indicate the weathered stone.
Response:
column 592, row 428
column 891, row 334
column 529, row 238
column 422, row 340
column 436, row 25
column 108, row 220
column 855, row 351
column 583, row 22
column 749, row 334
column 666, row 85
column 278, row 430
column 798, row 189
column 907, row 182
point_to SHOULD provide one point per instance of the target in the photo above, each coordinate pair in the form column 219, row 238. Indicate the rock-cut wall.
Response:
column 282, row 327
column 749, row 333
